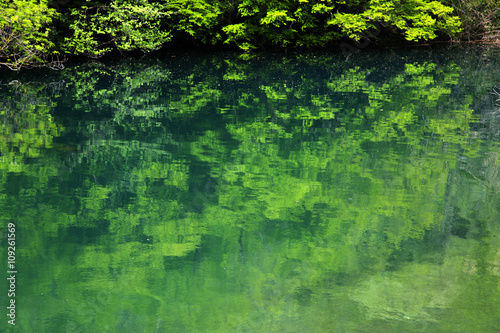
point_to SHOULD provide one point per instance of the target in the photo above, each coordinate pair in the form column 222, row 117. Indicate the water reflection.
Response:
column 296, row 194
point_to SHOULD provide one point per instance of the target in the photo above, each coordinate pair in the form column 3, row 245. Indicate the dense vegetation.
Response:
column 37, row 32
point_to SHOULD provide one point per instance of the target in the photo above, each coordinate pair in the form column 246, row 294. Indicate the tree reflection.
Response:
column 238, row 195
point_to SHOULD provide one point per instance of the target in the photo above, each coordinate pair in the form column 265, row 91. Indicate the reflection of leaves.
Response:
column 267, row 194
column 27, row 127
column 127, row 89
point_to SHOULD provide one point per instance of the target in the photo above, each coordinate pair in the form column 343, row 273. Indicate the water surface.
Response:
column 282, row 193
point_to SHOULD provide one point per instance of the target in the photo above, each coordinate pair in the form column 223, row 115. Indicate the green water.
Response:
column 281, row 193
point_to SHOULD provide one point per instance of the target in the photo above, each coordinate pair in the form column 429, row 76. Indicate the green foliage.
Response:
column 139, row 25
column 281, row 23
column 24, row 33
column 197, row 18
column 313, row 23
column 96, row 28
column 417, row 19
column 122, row 25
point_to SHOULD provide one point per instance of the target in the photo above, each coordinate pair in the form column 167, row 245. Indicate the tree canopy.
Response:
column 33, row 32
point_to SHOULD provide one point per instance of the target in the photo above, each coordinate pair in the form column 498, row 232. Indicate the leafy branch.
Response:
column 24, row 35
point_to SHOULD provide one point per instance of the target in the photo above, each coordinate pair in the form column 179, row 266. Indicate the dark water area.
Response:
column 277, row 193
